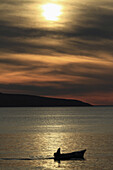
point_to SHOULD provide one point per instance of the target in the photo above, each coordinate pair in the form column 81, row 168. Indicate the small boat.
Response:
column 67, row 156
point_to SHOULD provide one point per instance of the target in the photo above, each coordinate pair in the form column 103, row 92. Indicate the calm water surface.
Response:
column 30, row 136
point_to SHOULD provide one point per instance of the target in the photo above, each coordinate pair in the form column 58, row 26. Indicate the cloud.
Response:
column 88, row 34
column 90, row 93
column 75, row 77
column 74, row 59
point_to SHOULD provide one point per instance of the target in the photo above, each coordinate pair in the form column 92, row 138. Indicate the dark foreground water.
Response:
column 30, row 136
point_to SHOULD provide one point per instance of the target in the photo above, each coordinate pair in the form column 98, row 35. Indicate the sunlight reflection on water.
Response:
column 31, row 137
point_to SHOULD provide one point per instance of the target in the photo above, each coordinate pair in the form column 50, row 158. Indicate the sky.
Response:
column 57, row 48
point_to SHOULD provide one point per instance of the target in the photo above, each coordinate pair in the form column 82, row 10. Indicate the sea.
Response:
column 29, row 136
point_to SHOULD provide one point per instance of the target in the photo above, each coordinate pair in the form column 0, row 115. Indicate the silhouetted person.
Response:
column 56, row 154
column 58, row 151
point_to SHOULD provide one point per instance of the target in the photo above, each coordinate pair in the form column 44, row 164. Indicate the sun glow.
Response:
column 51, row 11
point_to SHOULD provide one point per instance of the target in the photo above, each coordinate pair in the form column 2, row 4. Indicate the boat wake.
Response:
column 34, row 159
column 25, row 159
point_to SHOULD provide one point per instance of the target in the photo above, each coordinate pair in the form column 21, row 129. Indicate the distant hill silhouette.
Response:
column 21, row 100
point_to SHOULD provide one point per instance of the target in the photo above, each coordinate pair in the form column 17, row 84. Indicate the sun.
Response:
column 51, row 11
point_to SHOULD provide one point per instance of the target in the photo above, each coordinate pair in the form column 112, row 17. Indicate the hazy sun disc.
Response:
column 51, row 11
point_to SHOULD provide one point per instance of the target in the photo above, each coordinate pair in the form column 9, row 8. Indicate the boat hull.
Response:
column 72, row 155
